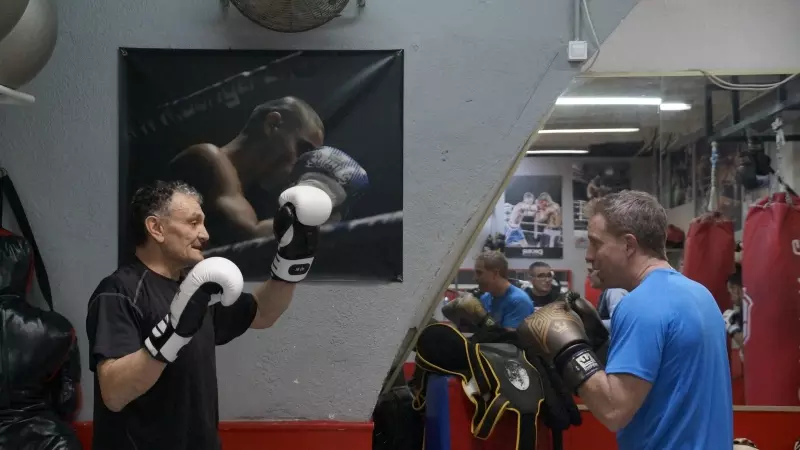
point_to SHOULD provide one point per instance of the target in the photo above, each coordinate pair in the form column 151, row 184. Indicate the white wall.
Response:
column 479, row 75
column 724, row 36
column 641, row 178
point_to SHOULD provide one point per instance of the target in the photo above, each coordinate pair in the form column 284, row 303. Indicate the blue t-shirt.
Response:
column 669, row 331
column 510, row 309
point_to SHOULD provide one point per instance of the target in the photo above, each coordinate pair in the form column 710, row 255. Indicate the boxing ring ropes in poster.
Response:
column 249, row 124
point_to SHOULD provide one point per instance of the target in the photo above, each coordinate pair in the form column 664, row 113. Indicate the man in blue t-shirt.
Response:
column 666, row 384
column 507, row 304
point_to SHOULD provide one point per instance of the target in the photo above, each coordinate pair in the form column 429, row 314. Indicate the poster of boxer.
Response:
column 592, row 180
column 680, row 176
column 729, row 192
column 533, row 217
column 243, row 126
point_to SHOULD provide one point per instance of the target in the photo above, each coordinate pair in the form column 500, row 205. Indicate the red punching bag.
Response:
column 771, row 310
column 708, row 255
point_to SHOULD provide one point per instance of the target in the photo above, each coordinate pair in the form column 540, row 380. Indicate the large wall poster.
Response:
column 249, row 124
column 533, row 217
column 593, row 180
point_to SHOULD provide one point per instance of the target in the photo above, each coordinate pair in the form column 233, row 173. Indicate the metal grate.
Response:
column 290, row 16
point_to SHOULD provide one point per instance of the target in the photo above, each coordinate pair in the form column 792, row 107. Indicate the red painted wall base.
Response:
column 306, row 435
column 770, row 430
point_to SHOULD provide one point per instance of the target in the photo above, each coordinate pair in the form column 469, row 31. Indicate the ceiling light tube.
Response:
column 674, row 106
column 588, row 130
column 556, row 152
column 642, row 101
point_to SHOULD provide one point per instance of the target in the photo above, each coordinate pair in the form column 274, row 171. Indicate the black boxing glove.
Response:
column 333, row 171
column 595, row 330
column 556, row 333
column 302, row 210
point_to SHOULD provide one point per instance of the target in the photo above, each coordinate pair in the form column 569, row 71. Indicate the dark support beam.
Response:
column 758, row 137
column 736, row 107
column 710, row 109
column 792, row 100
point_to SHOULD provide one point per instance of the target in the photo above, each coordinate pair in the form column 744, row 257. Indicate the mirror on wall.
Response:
column 719, row 154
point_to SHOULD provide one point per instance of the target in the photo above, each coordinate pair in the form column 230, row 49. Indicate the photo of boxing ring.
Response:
column 243, row 126
column 533, row 217
column 592, row 180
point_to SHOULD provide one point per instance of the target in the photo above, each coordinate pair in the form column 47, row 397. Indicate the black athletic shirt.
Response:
column 180, row 411
column 542, row 300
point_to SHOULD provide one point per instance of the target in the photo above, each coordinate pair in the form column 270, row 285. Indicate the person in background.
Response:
column 609, row 299
column 507, row 304
column 734, row 321
column 543, row 290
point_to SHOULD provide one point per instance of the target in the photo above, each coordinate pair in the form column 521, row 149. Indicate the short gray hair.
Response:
column 494, row 260
column 154, row 200
column 637, row 213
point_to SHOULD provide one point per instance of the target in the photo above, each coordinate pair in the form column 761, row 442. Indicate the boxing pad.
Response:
column 771, row 303
column 708, row 255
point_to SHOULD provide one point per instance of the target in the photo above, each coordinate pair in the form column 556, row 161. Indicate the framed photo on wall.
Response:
column 592, row 180
column 533, row 221
column 243, row 126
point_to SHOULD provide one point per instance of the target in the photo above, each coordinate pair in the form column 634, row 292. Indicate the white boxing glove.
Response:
column 302, row 210
column 731, row 317
column 212, row 280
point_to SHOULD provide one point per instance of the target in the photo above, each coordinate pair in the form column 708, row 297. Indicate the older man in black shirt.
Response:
column 148, row 397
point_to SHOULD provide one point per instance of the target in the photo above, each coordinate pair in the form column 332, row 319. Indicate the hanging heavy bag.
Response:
column 771, row 306
column 39, row 358
column 708, row 255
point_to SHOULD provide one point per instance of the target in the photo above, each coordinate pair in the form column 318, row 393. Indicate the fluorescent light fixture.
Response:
column 630, row 101
column 556, row 152
column 674, row 106
column 588, row 130
column 643, row 101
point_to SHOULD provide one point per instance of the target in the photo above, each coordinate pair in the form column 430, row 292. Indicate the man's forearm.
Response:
column 124, row 379
column 598, row 394
column 273, row 298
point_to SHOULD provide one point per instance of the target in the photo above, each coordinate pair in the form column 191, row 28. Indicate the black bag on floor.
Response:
column 397, row 425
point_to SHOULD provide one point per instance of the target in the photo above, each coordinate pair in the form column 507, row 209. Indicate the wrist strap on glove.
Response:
column 164, row 343
column 291, row 270
column 576, row 365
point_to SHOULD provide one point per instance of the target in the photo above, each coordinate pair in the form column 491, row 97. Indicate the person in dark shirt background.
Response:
column 544, row 289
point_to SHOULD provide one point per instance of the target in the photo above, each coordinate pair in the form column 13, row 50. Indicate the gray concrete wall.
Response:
column 480, row 76
column 724, row 36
